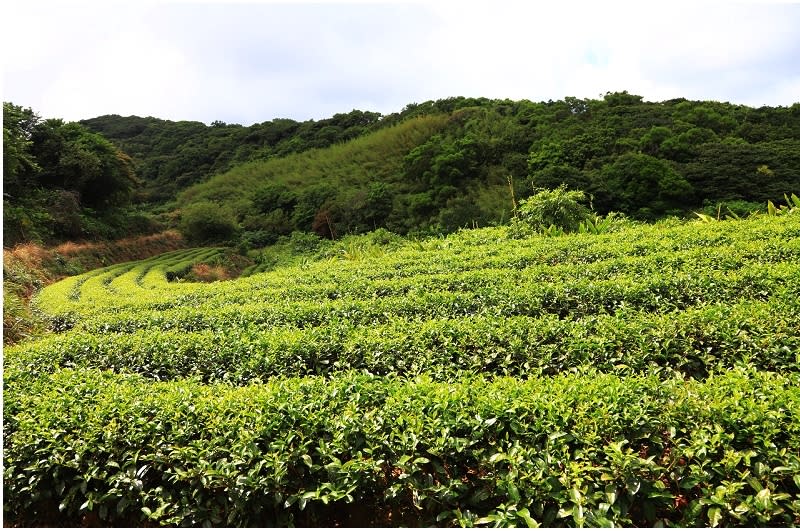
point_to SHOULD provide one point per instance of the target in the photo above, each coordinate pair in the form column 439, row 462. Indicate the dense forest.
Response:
column 62, row 181
column 433, row 167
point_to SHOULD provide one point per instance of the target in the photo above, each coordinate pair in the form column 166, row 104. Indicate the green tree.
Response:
column 19, row 164
column 274, row 195
column 651, row 142
column 645, row 186
column 560, row 174
column 73, row 158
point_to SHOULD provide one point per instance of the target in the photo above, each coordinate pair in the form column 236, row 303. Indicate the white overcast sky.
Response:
column 250, row 61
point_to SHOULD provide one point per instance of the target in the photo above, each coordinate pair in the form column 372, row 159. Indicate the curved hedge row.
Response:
column 693, row 342
column 586, row 449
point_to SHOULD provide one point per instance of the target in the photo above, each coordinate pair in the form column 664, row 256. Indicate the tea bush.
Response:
column 573, row 449
column 647, row 376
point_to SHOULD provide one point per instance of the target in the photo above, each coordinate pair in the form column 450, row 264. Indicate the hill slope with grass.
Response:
column 449, row 164
column 431, row 168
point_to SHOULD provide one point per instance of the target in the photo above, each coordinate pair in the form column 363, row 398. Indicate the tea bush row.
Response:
column 460, row 263
column 575, row 449
column 505, row 298
column 694, row 342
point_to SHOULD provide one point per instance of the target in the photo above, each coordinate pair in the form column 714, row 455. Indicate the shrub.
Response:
column 560, row 207
column 204, row 222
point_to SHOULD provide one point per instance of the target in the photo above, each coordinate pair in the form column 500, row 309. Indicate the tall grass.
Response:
column 376, row 157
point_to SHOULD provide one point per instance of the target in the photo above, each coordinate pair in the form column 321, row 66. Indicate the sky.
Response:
column 250, row 61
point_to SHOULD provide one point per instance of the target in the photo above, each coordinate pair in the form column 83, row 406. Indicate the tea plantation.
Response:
column 648, row 376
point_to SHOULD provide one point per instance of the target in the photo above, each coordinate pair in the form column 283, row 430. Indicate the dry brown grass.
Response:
column 208, row 273
column 29, row 254
column 135, row 248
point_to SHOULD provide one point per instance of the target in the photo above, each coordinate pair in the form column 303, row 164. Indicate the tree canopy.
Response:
column 433, row 167
column 58, row 176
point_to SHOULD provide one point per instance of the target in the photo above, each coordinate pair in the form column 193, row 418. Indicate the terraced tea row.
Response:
column 693, row 341
column 121, row 283
column 356, row 450
column 648, row 377
column 380, row 289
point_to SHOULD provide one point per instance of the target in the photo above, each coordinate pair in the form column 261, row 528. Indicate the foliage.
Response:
column 18, row 161
column 578, row 449
column 205, row 222
column 171, row 156
column 441, row 166
column 61, row 181
column 791, row 207
column 643, row 376
column 560, row 208
column 622, row 374
column 436, row 166
column 28, row 268
column 645, row 186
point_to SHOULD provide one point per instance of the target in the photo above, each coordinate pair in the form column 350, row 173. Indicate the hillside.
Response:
column 170, row 156
column 645, row 376
column 431, row 168
column 647, row 160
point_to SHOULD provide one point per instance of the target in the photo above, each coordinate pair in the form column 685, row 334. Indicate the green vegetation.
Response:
column 445, row 165
column 339, row 190
column 432, row 168
column 169, row 156
column 27, row 268
column 376, row 363
column 62, row 181
column 647, row 375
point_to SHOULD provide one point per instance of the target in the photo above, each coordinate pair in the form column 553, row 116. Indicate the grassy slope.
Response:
column 375, row 157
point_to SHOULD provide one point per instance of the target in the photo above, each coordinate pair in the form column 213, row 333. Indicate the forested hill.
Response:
column 171, row 155
column 433, row 167
column 446, row 164
column 705, row 150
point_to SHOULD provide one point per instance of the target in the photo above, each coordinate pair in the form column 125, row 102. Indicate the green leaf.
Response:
column 564, row 512
column 714, row 516
column 771, row 210
column 611, row 494
column 577, row 515
column 525, row 514
column 763, row 499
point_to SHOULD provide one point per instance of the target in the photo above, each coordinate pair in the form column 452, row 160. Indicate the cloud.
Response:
column 253, row 61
